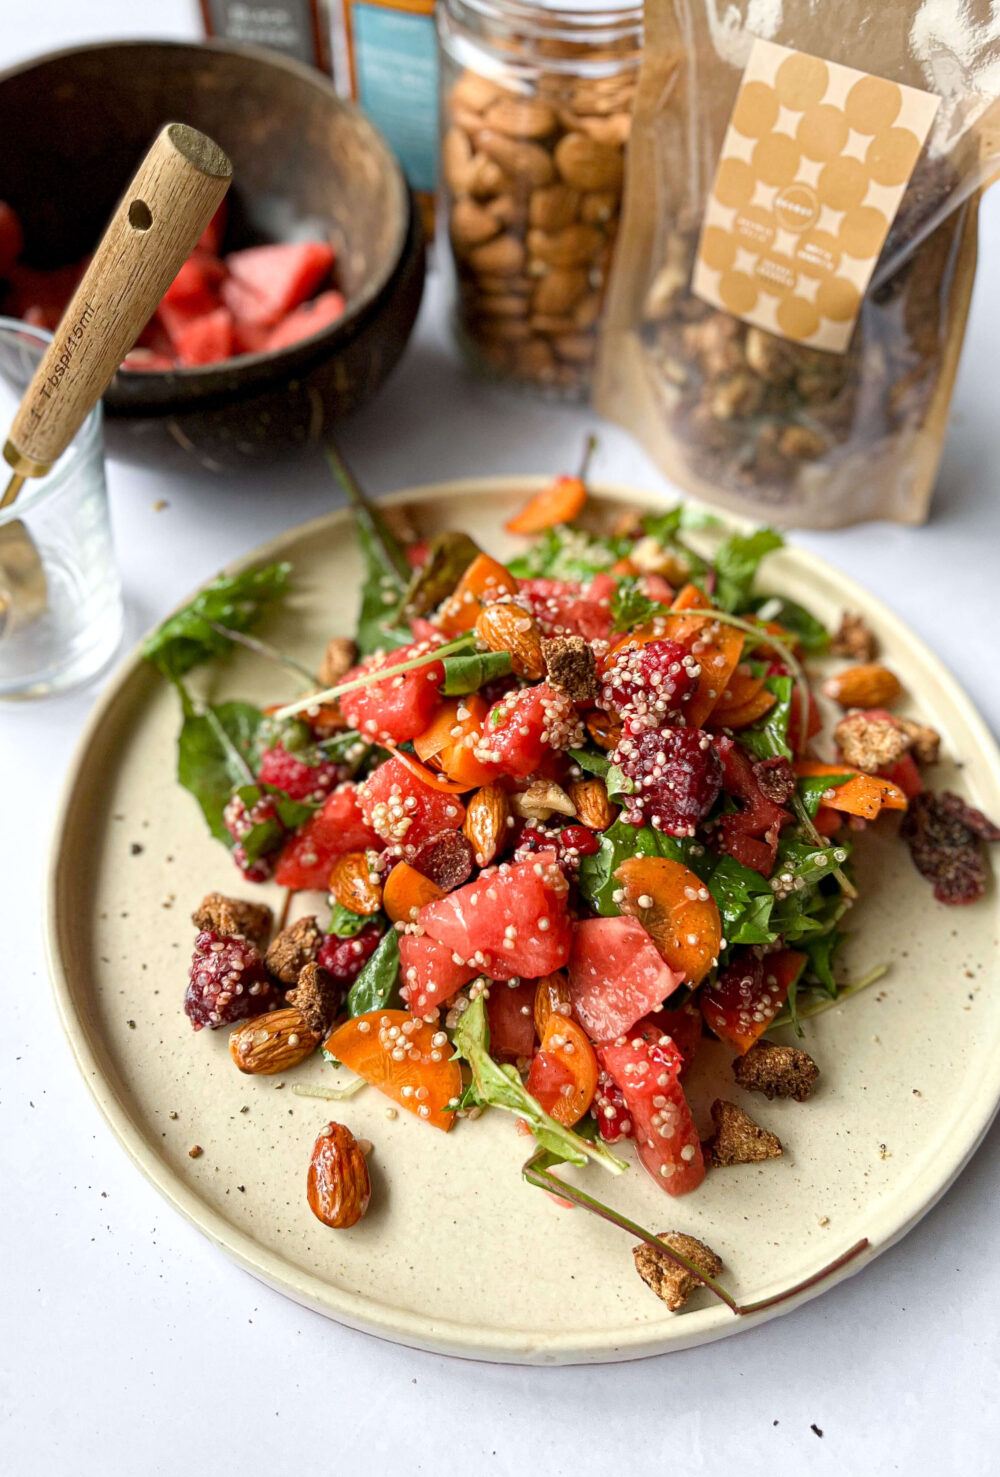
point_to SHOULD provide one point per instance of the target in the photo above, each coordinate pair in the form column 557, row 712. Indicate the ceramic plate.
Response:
column 457, row 1254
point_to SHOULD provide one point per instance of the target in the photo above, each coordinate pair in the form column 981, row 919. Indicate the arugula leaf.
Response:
column 736, row 561
column 745, row 900
column 768, row 737
column 214, row 753
column 820, row 951
column 345, row 924
column 812, row 635
column 618, row 844
column 468, row 671
column 591, row 761
column 375, row 983
column 267, row 835
column 501, row 1087
column 187, row 638
column 813, row 787
column 630, row 607
column 387, row 569
column 448, row 557
column 567, row 553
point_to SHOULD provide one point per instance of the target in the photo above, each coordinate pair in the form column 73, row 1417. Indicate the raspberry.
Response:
column 613, row 1121
column 344, row 959
column 258, row 871
column 300, row 781
column 240, row 819
column 649, row 684
column 228, row 981
column 677, row 777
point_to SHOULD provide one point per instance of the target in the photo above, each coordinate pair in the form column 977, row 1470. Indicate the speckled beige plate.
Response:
column 457, row 1254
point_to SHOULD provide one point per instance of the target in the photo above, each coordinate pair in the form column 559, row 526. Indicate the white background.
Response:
column 128, row 1344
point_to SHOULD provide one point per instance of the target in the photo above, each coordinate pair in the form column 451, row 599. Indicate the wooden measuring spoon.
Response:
column 158, row 222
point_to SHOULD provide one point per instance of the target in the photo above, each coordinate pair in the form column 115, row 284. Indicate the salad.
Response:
column 557, row 822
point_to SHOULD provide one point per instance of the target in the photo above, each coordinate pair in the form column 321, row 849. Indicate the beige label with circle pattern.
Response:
column 813, row 167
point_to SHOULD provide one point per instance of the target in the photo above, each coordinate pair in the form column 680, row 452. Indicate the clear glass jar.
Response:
column 536, row 104
column 60, row 597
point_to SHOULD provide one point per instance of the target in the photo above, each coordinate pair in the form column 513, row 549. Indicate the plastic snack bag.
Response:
column 798, row 248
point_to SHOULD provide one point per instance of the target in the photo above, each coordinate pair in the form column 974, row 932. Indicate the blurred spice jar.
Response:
column 536, row 114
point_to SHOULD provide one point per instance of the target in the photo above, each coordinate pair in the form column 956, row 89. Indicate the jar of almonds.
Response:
column 536, row 111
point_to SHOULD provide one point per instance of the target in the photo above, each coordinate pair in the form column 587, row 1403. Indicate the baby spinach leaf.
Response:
column 468, row 671
column 736, row 561
column 812, row 635
column 617, row 781
column 768, row 737
column 618, row 844
column 591, row 761
column 376, row 982
column 347, row 925
column 813, row 787
column 448, row 557
column 214, row 753
column 744, row 899
column 501, row 1087
column 188, row 637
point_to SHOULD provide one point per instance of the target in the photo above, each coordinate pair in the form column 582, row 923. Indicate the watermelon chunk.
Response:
column 200, row 275
column 337, row 827
column 207, row 339
column 616, row 975
column 211, row 237
column 512, row 921
column 400, row 707
column 174, row 317
column 665, row 1136
column 429, row 973
column 511, row 1017
column 266, row 282
column 405, row 811
column 565, row 608
column 303, row 322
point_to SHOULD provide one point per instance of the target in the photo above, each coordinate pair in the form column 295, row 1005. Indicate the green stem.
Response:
column 589, row 447
column 365, row 509
column 806, row 822
column 330, row 694
column 230, row 749
column 262, row 648
column 330, row 1094
column 831, row 1001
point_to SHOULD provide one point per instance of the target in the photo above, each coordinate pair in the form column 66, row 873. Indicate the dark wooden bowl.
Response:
column 74, row 125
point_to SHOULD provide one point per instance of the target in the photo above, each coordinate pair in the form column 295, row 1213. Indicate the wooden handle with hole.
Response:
column 176, row 191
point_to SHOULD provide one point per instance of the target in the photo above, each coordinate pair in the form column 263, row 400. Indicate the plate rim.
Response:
column 364, row 1314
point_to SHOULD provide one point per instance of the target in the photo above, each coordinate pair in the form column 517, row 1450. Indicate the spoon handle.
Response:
column 176, row 191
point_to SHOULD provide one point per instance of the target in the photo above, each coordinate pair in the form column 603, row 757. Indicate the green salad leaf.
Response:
column 215, row 750
column 768, row 737
column 448, row 557
column 187, row 638
column 591, row 761
column 387, row 569
column 812, row 635
column 630, row 607
column 501, row 1087
column 376, row 982
column 468, row 671
column 347, row 925
column 736, row 562
column 347, row 748
column 813, row 787
column 745, row 901
column 618, row 844
column 567, row 553
column 821, row 950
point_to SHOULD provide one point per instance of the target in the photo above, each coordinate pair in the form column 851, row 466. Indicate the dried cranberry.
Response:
column 775, row 779
column 447, row 859
column 647, row 684
column 344, row 959
column 578, row 839
column 943, row 834
column 676, row 774
column 613, row 1121
column 531, row 839
column 227, row 981
column 299, row 780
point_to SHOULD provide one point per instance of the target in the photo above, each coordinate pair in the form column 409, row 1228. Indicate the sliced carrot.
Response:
column 483, row 576
column 429, row 777
column 625, row 566
column 676, row 910
column 564, row 1071
column 560, row 502
column 740, row 689
column 424, row 1082
column 746, row 714
column 689, row 597
column 718, row 649
column 442, row 731
column 407, row 890
column 552, row 997
column 603, row 729
column 864, row 795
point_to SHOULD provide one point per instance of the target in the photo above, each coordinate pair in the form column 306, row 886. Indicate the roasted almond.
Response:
column 486, row 822
column 614, row 129
column 272, row 1043
column 527, row 163
column 508, row 627
column 867, row 686
column 501, row 257
column 475, row 92
column 338, row 1186
column 502, row 305
column 485, row 178
column 553, row 206
column 578, row 348
column 535, row 359
column 557, row 292
column 509, row 210
column 588, row 165
column 599, row 207
column 456, row 160
column 521, row 117
column 587, row 310
column 573, row 246
column 590, row 797
column 471, row 225
column 354, row 885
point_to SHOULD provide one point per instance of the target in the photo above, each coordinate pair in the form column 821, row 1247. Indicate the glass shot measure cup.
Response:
column 61, row 609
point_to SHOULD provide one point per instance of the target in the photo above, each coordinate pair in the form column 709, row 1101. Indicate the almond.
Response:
column 456, row 160
column 475, row 92
column 557, row 292
column 338, row 1186
column 338, row 659
column 590, row 797
column 599, row 207
column 867, row 686
column 501, row 257
column 509, row 210
column 485, row 178
column 508, row 627
column 525, row 162
column 272, row 1043
column 485, row 825
column 578, row 348
column 535, row 359
column 351, row 884
column 613, row 129
column 502, row 305
column 471, row 225
column 521, row 117
column 553, row 206
column 588, row 165
column 542, row 799
column 573, row 246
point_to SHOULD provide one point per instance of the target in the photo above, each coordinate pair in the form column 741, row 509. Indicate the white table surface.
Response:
column 130, row 1345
